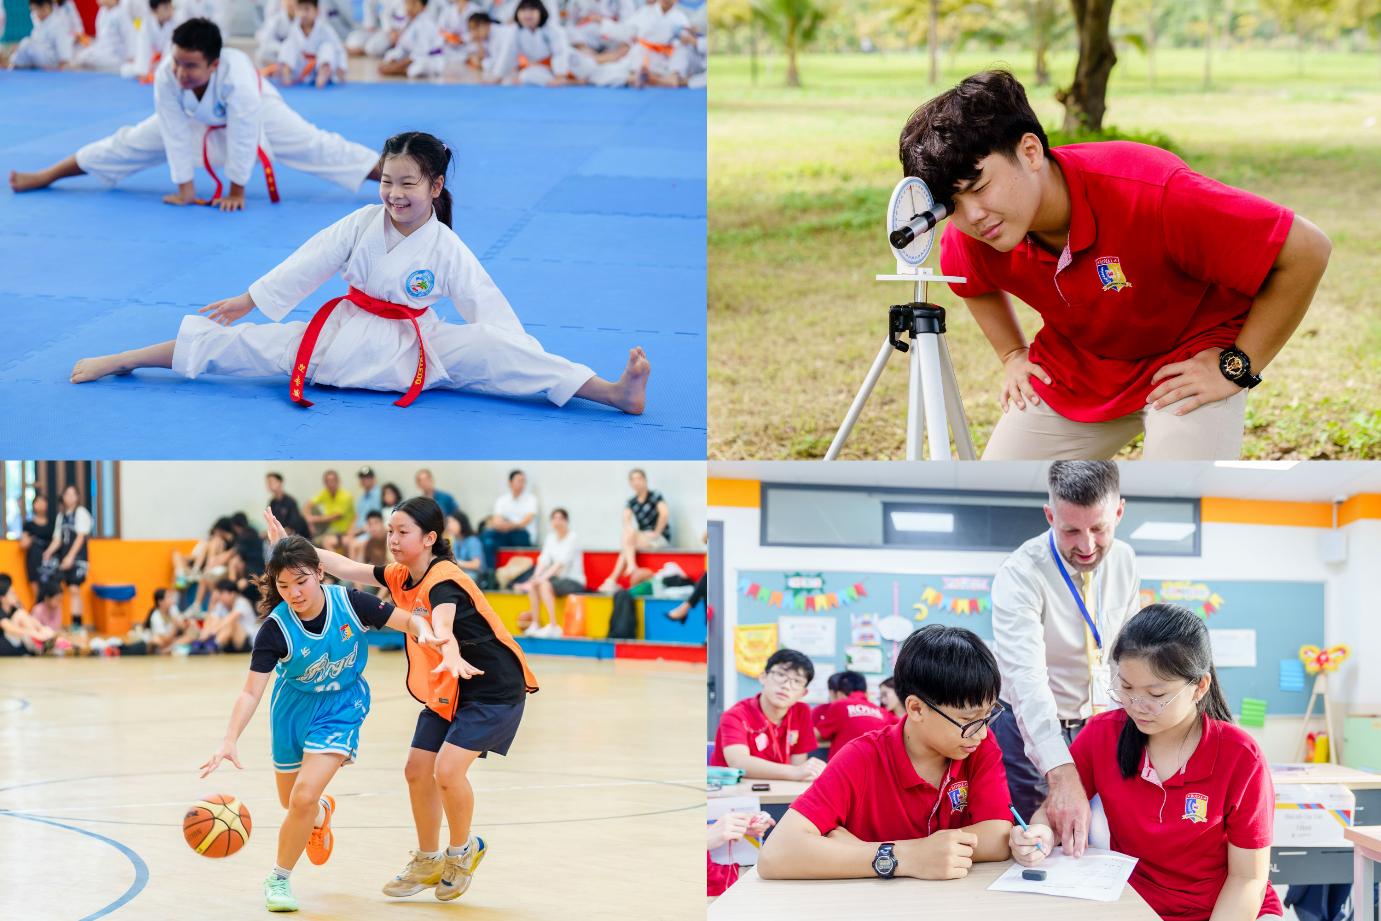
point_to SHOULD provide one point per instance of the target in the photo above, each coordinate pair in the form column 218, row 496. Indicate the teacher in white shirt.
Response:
column 514, row 512
column 1058, row 604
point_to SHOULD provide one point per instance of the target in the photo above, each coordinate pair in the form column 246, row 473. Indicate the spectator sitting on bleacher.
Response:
column 36, row 535
column 20, row 632
column 507, row 527
column 331, row 513
column 166, row 626
column 370, row 500
column 697, row 596
column 65, row 557
column 560, row 571
column 208, row 564
column 284, row 507
column 646, row 527
column 231, row 624
column 390, row 497
column 469, row 549
column 427, row 486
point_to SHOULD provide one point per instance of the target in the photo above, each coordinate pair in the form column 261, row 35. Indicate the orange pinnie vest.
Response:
column 440, row 692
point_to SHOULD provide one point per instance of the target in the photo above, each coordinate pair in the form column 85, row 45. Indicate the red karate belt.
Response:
column 269, row 179
column 386, row 309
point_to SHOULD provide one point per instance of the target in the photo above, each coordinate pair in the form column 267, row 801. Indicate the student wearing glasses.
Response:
column 770, row 735
column 925, row 797
column 1186, row 792
column 1058, row 604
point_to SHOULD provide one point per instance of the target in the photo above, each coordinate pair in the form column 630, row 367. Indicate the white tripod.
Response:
column 933, row 402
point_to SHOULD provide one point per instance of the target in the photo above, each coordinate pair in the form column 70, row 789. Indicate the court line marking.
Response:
column 23, row 705
column 141, row 869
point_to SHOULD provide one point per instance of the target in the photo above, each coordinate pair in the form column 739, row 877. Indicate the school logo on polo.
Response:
column 1196, row 807
column 959, row 796
column 792, row 736
column 421, row 283
column 1110, row 274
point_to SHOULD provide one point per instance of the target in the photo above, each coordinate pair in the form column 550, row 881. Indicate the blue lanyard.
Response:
column 1078, row 598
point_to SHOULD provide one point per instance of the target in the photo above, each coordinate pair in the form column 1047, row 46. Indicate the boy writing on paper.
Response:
column 925, row 797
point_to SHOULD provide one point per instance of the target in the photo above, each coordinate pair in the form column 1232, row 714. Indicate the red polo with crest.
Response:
column 871, row 789
column 1161, row 263
column 745, row 724
column 841, row 721
column 1179, row 829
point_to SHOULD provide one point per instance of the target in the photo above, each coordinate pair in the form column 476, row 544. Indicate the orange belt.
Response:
column 524, row 63
column 451, row 38
column 153, row 66
column 660, row 49
column 386, row 309
column 269, row 180
column 307, row 67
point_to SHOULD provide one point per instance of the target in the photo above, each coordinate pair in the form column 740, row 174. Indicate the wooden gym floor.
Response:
column 597, row 812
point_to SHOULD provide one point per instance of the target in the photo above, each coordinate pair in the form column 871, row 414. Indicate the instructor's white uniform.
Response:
column 252, row 113
column 1042, row 644
column 489, row 353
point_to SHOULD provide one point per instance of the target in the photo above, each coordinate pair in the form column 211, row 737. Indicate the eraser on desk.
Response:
column 1033, row 874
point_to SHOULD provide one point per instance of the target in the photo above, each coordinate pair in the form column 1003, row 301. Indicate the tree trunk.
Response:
column 753, row 51
column 933, row 36
column 793, row 76
column 1040, row 25
column 1085, row 100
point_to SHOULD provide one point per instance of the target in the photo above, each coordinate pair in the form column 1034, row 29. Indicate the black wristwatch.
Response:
column 884, row 864
column 1237, row 367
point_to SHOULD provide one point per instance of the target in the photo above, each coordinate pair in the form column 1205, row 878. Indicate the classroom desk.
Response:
column 1366, row 851
column 782, row 792
column 1306, row 865
column 753, row 898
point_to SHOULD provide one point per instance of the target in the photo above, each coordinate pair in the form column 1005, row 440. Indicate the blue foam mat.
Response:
column 587, row 207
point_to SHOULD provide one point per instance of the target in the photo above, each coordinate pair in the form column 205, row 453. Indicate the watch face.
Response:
column 885, row 865
column 1234, row 366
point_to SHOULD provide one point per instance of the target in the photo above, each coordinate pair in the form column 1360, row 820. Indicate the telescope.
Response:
column 921, row 223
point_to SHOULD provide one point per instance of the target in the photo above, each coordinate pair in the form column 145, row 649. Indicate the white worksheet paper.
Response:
column 1099, row 876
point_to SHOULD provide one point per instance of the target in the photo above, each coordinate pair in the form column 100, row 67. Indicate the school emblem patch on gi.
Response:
column 346, row 632
column 959, row 796
column 1110, row 274
column 421, row 283
column 1196, row 807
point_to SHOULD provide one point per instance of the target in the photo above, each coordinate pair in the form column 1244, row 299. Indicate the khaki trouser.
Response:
column 1211, row 432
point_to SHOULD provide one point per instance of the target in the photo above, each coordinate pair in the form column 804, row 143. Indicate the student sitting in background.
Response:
column 850, row 713
column 1185, row 791
column 925, row 797
column 49, row 46
column 20, row 631
column 732, row 826
column 166, row 626
column 769, row 735
column 231, row 624
column 887, row 696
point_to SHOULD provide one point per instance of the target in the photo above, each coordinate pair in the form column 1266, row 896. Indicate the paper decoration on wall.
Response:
column 970, row 606
column 802, row 599
column 863, row 630
column 753, row 643
column 967, row 583
column 1197, row 596
column 866, row 659
column 1323, row 660
column 1291, row 675
column 1253, row 712
column 814, row 636
column 922, row 612
column 1233, row 648
column 1144, row 597
column 895, row 629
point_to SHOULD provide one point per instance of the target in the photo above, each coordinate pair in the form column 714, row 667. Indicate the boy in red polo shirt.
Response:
column 1185, row 791
column 769, row 735
column 1163, row 293
column 850, row 713
column 924, row 797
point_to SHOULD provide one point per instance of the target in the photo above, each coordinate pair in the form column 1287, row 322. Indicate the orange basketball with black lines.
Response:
column 217, row 826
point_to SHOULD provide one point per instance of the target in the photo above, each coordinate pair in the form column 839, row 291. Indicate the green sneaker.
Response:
column 278, row 895
column 459, row 871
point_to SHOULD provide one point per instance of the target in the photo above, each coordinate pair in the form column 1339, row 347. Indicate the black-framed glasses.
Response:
column 785, row 676
column 967, row 730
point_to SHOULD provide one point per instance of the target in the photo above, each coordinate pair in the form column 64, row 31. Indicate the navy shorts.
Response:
column 476, row 727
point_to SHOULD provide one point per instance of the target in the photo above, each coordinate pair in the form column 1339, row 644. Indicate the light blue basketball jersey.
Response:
column 330, row 662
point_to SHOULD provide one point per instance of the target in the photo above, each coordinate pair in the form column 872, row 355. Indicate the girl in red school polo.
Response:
column 1186, row 792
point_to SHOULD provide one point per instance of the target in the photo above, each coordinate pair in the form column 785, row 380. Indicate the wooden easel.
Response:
column 1320, row 690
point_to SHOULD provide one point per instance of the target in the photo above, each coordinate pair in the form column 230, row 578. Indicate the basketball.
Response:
column 217, row 826
column 524, row 620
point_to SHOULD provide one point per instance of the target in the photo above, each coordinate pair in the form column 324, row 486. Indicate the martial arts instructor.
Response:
column 1058, row 604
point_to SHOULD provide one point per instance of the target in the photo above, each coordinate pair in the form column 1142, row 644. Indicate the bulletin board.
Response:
column 848, row 619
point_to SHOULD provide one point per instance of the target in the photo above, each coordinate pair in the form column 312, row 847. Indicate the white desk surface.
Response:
column 753, row 898
column 1325, row 773
column 781, row 792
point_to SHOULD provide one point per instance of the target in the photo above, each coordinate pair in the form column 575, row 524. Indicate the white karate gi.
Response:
column 593, row 23
column 214, row 10
column 271, row 34
column 114, row 45
column 391, row 15
column 253, row 114
column 488, row 353
column 502, row 11
column 47, row 46
column 368, row 28
column 536, row 46
column 421, row 45
column 656, row 27
column 305, row 53
column 152, row 40
column 454, row 23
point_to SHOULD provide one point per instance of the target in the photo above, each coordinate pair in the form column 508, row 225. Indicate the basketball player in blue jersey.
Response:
column 313, row 639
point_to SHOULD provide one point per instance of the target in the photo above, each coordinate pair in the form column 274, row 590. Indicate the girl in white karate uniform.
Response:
column 312, row 51
column 419, row 51
column 399, row 258
column 114, row 45
column 49, row 46
column 534, row 52
column 152, row 40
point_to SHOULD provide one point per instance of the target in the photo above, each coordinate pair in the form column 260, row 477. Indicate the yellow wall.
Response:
column 145, row 564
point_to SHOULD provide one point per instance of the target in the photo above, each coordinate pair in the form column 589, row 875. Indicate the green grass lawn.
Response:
column 798, row 186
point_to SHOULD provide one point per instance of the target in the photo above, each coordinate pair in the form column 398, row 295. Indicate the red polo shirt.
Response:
column 871, row 788
column 1161, row 264
column 745, row 724
column 842, row 721
column 1179, row 830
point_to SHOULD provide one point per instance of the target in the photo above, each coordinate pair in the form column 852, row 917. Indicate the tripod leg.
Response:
column 959, row 420
column 861, row 398
column 927, row 348
column 916, row 408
